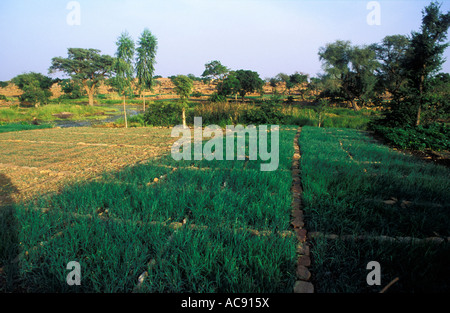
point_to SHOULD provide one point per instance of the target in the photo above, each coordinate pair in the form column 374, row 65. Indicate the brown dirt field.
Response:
column 37, row 162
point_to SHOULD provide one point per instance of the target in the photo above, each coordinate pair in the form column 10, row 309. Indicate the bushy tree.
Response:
column 353, row 70
column 183, row 88
column 298, row 79
column 86, row 67
column 215, row 70
column 249, row 81
column 35, row 87
column 391, row 74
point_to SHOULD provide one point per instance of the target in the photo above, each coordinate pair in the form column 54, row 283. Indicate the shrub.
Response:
column 217, row 98
column 163, row 114
column 264, row 113
column 434, row 136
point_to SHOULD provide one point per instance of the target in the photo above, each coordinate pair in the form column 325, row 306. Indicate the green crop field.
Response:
column 200, row 226
column 364, row 202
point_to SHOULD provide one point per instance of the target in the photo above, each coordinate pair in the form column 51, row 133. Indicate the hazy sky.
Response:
column 267, row 36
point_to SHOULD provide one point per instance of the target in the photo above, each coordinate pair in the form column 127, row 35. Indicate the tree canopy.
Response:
column 352, row 68
column 146, row 59
column 215, row 70
column 85, row 66
column 35, row 87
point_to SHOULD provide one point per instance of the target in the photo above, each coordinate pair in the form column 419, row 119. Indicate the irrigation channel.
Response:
column 131, row 111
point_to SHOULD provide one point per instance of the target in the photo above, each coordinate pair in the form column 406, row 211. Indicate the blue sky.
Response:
column 267, row 36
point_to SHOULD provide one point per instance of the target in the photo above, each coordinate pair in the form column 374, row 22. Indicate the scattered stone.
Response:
column 297, row 223
column 304, row 260
column 301, row 234
column 303, row 273
column 303, row 287
column 303, row 249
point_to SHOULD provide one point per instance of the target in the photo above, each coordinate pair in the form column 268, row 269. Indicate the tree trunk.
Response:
column 419, row 110
column 183, row 116
column 144, row 101
column 125, row 112
column 90, row 93
column 355, row 105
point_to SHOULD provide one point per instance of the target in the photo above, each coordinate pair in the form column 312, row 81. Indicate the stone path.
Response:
column 302, row 285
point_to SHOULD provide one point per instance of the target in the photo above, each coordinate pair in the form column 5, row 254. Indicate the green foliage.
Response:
column 35, row 87
column 183, row 87
column 3, row 84
column 346, row 177
column 86, row 67
column 249, row 81
column 434, row 136
column 391, row 53
column 217, row 98
column 146, row 59
column 197, row 94
column 163, row 114
column 71, row 89
column 215, row 69
column 123, row 65
column 12, row 127
column 352, row 70
column 265, row 113
column 116, row 224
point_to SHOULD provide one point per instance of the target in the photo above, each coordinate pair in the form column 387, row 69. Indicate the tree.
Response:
column 183, row 88
column 391, row 53
column 282, row 77
column 298, row 79
column 229, row 86
column 145, row 62
column 86, row 67
column 351, row 68
column 71, row 89
column 124, row 68
column 35, row 87
column 425, row 56
column 249, row 81
column 273, row 82
column 215, row 70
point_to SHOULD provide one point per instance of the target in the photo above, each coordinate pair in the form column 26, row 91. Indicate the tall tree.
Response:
column 145, row 61
column 86, row 67
column 352, row 68
column 425, row 56
column 183, row 88
column 124, row 68
column 391, row 53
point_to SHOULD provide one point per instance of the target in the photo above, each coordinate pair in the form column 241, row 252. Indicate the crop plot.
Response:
column 161, row 226
column 364, row 202
column 41, row 161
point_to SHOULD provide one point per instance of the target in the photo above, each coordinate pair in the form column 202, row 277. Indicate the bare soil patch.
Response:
column 37, row 162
